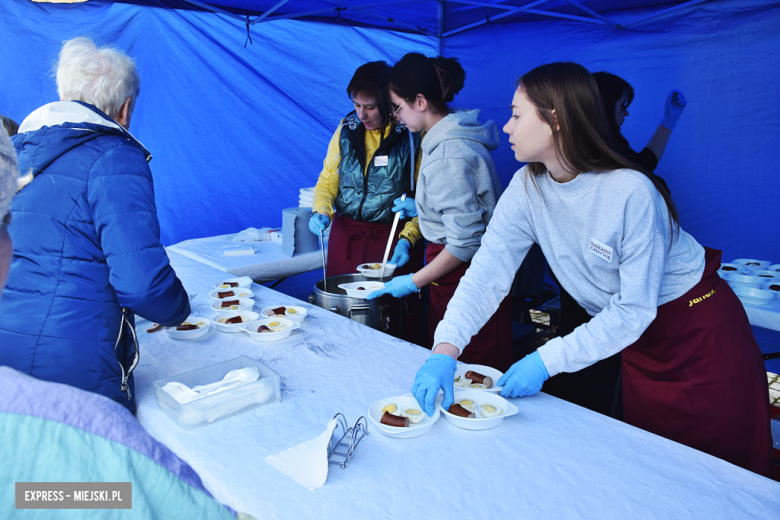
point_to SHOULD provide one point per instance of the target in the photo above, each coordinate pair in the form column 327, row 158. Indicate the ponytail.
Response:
column 438, row 79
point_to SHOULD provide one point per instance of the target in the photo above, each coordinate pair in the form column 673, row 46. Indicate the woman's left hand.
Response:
column 673, row 108
column 399, row 287
column 401, row 253
column 525, row 377
column 407, row 207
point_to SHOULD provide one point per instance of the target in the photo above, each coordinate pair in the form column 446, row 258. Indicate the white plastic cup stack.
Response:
column 306, row 197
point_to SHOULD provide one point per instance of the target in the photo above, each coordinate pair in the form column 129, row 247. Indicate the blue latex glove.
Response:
column 524, row 377
column 675, row 103
column 401, row 253
column 437, row 372
column 407, row 207
column 399, row 287
column 318, row 223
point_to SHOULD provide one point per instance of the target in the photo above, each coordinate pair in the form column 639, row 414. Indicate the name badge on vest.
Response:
column 601, row 250
column 381, row 160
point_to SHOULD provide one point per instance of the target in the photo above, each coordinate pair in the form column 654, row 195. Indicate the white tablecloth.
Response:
column 268, row 262
column 553, row 460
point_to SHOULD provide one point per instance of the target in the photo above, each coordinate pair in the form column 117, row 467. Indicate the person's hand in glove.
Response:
column 318, row 222
column 675, row 103
column 399, row 287
column 407, row 207
column 524, row 377
column 437, row 372
column 401, row 253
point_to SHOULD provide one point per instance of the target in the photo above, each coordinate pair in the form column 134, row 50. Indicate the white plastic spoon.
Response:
column 242, row 375
column 181, row 392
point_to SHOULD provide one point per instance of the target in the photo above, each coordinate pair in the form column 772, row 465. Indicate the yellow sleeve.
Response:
column 411, row 231
column 327, row 187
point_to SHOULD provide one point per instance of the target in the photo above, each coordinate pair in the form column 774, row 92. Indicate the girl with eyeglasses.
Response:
column 457, row 192
column 692, row 371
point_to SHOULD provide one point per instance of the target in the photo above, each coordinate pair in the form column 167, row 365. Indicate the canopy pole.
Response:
column 440, row 29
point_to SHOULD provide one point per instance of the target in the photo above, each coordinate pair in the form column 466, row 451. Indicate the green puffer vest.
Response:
column 369, row 198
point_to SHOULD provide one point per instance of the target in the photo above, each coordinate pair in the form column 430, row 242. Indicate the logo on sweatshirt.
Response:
column 601, row 250
column 693, row 302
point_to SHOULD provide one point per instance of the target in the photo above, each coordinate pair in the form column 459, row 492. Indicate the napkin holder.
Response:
column 348, row 439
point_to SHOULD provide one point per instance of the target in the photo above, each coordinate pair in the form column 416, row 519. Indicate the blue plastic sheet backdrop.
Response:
column 236, row 130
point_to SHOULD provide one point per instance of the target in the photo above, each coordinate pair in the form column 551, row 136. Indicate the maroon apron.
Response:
column 696, row 376
column 492, row 345
column 352, row 243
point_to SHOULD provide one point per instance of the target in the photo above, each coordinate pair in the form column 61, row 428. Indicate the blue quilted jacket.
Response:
column 86, row 245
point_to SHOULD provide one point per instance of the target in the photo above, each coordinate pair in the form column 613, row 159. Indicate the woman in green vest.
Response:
column 369, row 164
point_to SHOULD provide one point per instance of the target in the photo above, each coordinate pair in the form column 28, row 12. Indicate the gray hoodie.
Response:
column 458, row 187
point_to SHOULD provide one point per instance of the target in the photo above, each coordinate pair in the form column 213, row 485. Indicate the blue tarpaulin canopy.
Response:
column 237, row 127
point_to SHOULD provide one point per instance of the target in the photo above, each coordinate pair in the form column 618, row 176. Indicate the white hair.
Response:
column 104, row 77
column 9, row 173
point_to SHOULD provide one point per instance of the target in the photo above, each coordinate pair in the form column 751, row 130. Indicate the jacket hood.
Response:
column 462, row 124
column 58, row 127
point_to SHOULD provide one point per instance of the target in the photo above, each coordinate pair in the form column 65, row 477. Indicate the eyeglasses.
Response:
column 394, row 113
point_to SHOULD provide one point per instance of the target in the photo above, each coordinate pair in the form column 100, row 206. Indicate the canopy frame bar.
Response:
column 514, row 10
column 509, row 10
column 663, row 12
column 593, row 13
column 383, row 16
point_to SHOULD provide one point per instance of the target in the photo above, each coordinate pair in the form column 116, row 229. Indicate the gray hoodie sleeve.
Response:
column 452, row 192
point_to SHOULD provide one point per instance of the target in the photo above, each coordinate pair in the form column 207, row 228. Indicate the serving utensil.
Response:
column 324, row 276
column 390, row 239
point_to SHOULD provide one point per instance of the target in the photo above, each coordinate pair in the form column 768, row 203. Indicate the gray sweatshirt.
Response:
column 606, row 237
column 457, row 188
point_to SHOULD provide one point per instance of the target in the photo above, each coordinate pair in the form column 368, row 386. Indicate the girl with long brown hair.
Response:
column 692, row 371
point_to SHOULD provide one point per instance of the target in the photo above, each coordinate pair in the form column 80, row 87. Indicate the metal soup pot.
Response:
column 372, row 313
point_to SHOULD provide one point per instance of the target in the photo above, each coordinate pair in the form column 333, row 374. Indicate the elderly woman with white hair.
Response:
column 87, row 253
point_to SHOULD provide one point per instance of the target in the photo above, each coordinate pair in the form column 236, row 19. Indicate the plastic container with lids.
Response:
column 220, row 405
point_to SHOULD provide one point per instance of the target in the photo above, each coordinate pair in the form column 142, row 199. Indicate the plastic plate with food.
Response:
column 741, row 279
column 192, row 328
column 269, row 329
column 731, row 267
column 241, row 281
column 772, row 286
column 753, row 296
column 237, row 305
column 231, row 323
column 231, row 293
column 488, row 410
column 404, row 411
column 372, row 270
column 477, row 377
column 752, row 264
column 361, row 289
column 291, row 312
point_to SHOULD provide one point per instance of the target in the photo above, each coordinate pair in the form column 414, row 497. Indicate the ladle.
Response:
column 324, row 276
column 390, row 240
